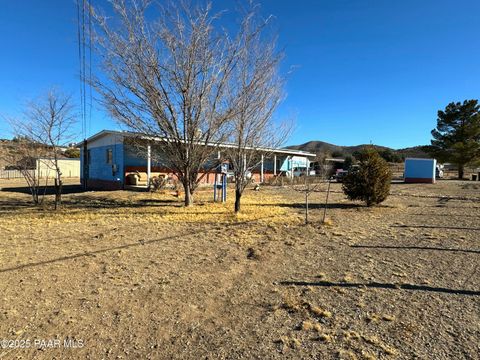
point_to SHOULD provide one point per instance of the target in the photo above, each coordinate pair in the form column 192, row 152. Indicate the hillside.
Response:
column 8, row 147
column 331, row 149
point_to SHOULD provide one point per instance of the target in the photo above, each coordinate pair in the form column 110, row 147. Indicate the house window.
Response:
column 109, row 156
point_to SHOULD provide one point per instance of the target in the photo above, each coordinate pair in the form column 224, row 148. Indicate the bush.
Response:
column 370, row 182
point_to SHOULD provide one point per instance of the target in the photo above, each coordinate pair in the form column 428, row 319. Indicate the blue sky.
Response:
column 366, row 70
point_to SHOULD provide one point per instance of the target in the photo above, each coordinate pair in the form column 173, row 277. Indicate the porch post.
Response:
column 291, row 166
column 149, row 164
column 261, row 170
column 274, row 164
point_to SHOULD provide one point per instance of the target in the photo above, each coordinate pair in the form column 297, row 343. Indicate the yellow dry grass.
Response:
column 346, row 355
column 325, row 338
column 388, row 317
column 320, row 312
column 307, row 325
column 291, row 303
column 291, row 342
column 146, row 208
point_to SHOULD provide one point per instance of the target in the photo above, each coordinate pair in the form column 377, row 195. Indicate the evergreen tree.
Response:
column 456, row 138
column 347, row 164
column 371, row 181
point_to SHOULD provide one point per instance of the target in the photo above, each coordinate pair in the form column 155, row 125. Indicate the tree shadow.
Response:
column 96, row 202
column 447, row 215
column 376, row 285
column 436, row 227
column 446, row 207
column 389, row 247
column 87, row 202
column 49, row 190
column 443, row 201
column 313, row 206
column 468, row 186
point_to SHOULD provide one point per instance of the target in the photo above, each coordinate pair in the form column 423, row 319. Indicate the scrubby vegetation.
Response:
column 370, row 182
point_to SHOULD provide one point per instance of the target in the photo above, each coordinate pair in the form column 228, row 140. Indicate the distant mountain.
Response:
column 341, row 151
column 414, row 152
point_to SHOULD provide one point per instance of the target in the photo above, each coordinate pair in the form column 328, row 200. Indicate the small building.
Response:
column 42, row 168
column 420, row 170
column 109, row 158
column 70, row 168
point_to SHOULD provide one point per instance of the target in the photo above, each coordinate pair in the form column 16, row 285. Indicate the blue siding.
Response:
column 294, row 162
column 420, row 168
column 99, row 169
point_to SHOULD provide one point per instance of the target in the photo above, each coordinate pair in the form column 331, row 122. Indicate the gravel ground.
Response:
column 135, row 275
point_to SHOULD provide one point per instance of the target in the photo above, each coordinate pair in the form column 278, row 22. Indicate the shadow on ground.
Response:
column 376, row 285
column 436, row 227
column 82, row 202
column 387, row 247
column 314, row 206
column 49, row 190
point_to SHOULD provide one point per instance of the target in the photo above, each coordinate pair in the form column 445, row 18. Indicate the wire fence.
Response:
column 42, row 174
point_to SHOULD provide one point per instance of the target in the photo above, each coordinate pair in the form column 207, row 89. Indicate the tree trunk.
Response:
column 306, row 207
column 461, row 171
column 56, row 193
column 35, row 196
column 60, row 190
column 238, row 197
column 188, row 194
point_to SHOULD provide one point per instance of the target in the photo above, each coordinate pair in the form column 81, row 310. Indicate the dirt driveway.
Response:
column 135, row 275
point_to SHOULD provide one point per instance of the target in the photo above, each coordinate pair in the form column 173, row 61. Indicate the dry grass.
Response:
column 346, row 355
column 158, row 208
column 367, row 355
column 328, row 222
column 291, row 342
column 320, row 312
column 388, row 317
column 308, row 325
column 325, row 338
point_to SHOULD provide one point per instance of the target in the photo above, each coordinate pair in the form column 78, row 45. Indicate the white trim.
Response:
column 149, row 165
column 261, row 170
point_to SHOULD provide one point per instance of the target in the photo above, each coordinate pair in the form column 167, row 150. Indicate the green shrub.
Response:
column 370, row 181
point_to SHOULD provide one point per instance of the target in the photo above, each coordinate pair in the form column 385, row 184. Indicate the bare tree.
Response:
column 319, row 182
column 257, row 94
column 22, row 154
column 46, row 127
column 169, row 78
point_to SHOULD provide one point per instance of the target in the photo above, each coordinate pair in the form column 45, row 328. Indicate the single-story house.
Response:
column 108, row 157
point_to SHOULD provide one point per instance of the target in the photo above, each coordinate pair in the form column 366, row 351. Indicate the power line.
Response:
column 84, row 68
column 79, row 37
column 82, row 20
column 90, row 65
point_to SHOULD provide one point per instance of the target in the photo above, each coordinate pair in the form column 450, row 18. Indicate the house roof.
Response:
column 224, row 145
